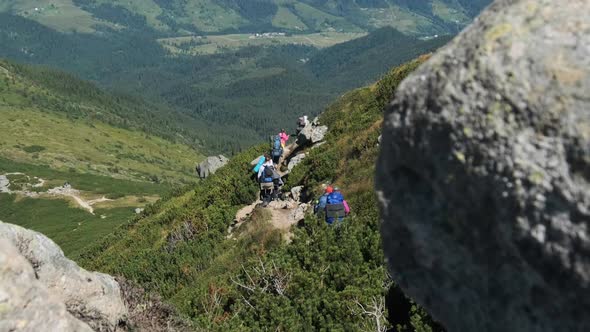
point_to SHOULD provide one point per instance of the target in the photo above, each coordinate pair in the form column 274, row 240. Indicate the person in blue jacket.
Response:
column 321, row 203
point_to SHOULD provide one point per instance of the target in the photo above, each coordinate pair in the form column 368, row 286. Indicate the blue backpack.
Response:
column 335, row 198
column 267, row 175
column 277, row 149
column 335, row 207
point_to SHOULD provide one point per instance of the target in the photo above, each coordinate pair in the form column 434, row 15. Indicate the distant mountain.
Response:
column 222, row 16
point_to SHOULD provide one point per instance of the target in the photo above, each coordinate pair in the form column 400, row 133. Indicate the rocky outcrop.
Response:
column 91, row 297
column 25, row 302
column 296, row 160
column 298, row 213
column 211, row 165
column 296, row 192
column 484, row 173
column 312, row 133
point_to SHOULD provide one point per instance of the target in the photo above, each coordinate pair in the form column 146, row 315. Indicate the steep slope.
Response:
column 49, row 114
column 77, row 161
column 252, row 281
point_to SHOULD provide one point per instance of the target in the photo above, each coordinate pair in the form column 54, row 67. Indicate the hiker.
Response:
column 270, row 183
column 284, row 137
column 277, row 150
column 321, row 203
column 301, row 123
column 267, row 162
column 267, row 185
column 277, row 182
column 336, row 207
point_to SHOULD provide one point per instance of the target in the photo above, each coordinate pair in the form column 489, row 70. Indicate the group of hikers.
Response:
column 267, row 172
column 331, row 204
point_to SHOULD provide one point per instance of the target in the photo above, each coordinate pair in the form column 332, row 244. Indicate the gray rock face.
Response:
column 296, row 192
column 25, row 302
column 211, row 165
column 296, row 161
column 298, row 214
column 484, row 173
column 312, row 133
column 92, row 297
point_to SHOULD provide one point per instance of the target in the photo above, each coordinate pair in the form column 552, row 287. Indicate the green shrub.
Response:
column 33, row 148
column 179, row 246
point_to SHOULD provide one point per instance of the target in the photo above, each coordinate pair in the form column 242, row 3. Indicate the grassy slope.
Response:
column 64, row 15
column 97, row 148
column 225, row 43
column 71, row 228
column 59, row 122
column 50, row 129
column 179, row 250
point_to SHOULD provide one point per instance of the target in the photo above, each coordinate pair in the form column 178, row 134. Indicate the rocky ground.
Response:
column 40, row 289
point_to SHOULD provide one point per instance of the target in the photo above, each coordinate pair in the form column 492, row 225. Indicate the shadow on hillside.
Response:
column 399, row 308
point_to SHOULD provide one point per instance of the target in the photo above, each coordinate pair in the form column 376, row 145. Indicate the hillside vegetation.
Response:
column 53, row 119
column 56, row 129
column 223, row 16
column 321, row 280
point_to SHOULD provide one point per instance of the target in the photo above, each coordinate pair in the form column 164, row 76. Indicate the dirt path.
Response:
column 246, row 211
column 75, row 194
column 284, row 214
column 57, row 191
column 282, row 219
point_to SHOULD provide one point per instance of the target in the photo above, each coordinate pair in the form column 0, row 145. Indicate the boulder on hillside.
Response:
column 211, row 165
column 296, row 161
column 91, row 297
column 25, row 303
column 311, row 134
column 484, row 173
column 296, row 192
column 298, row 213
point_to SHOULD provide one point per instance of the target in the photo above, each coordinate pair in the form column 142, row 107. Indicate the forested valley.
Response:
column 221, row 102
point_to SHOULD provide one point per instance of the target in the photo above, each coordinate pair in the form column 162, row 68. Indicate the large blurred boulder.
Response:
column 484, row 173
column 211, row 165
column 25, row 302
column 91, row 297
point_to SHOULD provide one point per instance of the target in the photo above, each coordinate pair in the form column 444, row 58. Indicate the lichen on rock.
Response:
column 484, row 173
